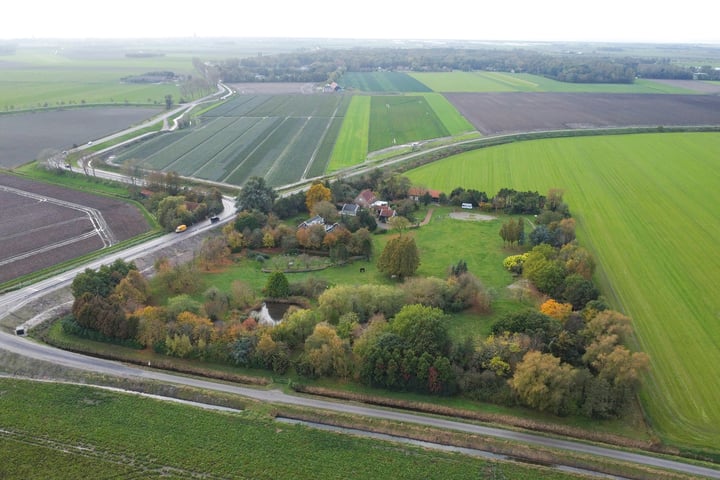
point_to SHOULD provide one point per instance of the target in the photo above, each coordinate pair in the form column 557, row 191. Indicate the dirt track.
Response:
column 476, row 217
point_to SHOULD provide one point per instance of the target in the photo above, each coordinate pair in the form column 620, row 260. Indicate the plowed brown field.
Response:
column 39, row 230
column 498, row 113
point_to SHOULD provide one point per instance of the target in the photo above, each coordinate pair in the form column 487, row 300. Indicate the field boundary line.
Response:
column 199, row 145
column 257, row 147
column 320, row 143
column 288, row 146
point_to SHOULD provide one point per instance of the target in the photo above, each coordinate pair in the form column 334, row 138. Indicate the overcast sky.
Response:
column 690, row 21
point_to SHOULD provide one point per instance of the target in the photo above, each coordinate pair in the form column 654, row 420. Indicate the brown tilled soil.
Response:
column 701, row 87
column 27, row 224
column 498, row 113
column 24, row 135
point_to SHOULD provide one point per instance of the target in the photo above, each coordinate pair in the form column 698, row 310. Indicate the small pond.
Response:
column 271, row 313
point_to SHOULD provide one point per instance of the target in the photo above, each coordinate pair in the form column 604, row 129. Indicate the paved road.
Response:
column 38, row 351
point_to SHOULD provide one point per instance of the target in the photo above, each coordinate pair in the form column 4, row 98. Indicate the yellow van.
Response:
column 181, row 228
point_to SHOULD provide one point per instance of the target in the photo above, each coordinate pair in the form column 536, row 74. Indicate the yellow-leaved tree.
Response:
column 317, row 193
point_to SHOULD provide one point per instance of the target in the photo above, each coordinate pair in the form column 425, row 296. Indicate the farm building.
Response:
column 365, row 198
column 385, row 213
column 317, row 220
column 350, row 209
column 416, row 193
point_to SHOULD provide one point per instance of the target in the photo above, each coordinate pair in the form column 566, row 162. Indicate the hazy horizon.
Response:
column 613, row 21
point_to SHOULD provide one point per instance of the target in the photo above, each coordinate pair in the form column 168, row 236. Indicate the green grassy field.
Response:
column 42, row 79
column 455, row 123
column 486, row 82
column 647, row 207
column 382, row 82
column 351, row 146
column 69, row 432
column 396, row 120
column 433, row 117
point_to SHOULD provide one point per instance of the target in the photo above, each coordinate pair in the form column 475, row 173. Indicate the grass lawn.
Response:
column 646, row 206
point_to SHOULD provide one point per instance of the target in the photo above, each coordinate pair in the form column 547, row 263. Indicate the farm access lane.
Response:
column 23, row 346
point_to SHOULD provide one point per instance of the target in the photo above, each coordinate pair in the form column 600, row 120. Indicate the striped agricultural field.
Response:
column 647, row 206
column 283, row 138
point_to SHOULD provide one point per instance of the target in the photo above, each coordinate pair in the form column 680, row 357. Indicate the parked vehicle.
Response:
column 181, row 228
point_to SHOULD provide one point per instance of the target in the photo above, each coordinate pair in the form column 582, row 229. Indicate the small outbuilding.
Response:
column 350, row 209
column 316, row 220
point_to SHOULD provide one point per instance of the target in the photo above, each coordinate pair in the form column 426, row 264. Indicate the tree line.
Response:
column 326, row 65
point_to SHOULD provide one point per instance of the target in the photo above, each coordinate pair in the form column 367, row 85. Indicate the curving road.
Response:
column 28, row 348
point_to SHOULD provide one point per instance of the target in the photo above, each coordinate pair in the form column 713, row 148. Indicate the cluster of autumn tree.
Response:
column 556, row 265
column 506, row 200
column 171, row 202
column 253, row 229
column 575, row 361
column 557, row 359
column 115, row 303
column 568, row 357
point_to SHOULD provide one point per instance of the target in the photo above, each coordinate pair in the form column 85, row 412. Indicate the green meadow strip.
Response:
column 397, row 120
column 497, row 82
column 453, row 121
column 351, row 146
